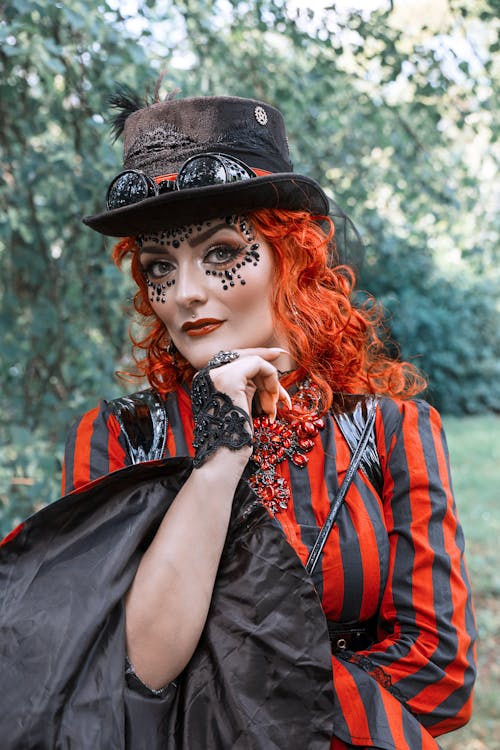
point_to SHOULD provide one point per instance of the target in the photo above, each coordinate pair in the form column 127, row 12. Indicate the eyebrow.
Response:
column 202, row 236
column 192, row 242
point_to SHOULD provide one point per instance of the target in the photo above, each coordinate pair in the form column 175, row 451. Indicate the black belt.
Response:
column 346, row 637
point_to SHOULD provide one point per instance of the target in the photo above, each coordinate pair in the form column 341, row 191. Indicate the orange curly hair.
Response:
column 339, row 344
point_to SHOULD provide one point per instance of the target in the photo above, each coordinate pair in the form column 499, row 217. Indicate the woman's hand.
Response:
column 252, row 374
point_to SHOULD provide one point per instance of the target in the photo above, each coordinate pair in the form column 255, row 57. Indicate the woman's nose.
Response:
column 190, row 285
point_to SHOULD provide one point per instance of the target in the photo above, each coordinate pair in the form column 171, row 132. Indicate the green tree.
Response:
column 391, row 115
column 62, row 314
column 394, row 118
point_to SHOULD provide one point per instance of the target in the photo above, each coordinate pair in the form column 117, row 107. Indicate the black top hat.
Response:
column 188, row 160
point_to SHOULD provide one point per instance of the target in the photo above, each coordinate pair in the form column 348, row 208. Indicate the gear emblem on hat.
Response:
column 260, row 115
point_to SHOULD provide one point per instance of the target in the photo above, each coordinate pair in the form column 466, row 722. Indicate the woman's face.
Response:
column 211, row 285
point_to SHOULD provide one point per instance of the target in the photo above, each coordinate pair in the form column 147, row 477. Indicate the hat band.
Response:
column 173, row 176
column 203, row 170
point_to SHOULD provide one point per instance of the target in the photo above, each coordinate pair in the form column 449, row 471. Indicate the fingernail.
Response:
column 285, row 396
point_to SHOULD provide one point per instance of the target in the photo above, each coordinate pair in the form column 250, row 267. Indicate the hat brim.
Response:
column 284, row 190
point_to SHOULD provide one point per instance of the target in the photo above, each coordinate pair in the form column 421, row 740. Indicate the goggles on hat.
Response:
column 132, row 185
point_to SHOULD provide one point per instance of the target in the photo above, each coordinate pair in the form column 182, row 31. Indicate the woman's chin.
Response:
column 198, row 357
column 200, row 350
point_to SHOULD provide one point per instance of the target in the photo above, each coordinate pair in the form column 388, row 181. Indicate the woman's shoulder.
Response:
column 391, row 412
column 116, row 433
column 141, row 404
column 143, row 418
column 137, row 404
column 396, row 411
column 406, row 428
column 123, row 414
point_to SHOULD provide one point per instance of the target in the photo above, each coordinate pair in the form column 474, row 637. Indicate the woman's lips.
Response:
column 201, row 327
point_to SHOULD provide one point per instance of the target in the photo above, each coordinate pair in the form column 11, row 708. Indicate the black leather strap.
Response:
column 317, row 549
column 350, row 637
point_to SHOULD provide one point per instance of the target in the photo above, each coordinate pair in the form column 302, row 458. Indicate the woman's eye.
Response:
column 222, row 254
column 158, row 269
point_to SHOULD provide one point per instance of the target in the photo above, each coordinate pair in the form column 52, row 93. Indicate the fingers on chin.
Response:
column 267, row 353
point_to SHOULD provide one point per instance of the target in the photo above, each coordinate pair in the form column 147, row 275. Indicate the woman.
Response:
column 240, row 629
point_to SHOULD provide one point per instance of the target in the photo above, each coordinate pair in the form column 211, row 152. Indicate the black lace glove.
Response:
column 217, row 421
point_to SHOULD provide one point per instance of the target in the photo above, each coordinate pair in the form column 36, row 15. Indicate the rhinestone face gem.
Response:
column 260, row 115
column 281, row 440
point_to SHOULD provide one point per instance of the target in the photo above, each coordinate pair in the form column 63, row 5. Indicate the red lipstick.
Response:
column 201, row 327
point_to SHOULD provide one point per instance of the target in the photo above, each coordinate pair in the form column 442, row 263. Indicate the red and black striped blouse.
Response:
column 395, row 555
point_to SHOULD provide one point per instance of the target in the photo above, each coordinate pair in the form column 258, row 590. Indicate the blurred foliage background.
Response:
column 389, row 104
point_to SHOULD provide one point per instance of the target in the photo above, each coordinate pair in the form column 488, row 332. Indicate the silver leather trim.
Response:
column 351, row 424
column 143, row 420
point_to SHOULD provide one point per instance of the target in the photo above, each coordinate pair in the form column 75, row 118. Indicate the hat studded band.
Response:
column 132, row 185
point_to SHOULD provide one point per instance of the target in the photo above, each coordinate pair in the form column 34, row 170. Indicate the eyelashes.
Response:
column 218, row 257
column 223, row 256
column 156, row 269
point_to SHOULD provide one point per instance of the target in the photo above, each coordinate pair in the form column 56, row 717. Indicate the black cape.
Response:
column 260, row 678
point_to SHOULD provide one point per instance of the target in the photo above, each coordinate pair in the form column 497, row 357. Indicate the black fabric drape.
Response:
column 260, row 678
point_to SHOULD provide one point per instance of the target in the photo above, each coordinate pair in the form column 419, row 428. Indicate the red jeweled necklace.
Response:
column 286, row 438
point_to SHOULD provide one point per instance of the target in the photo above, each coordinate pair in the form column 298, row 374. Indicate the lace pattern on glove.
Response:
column 375, row 671
column 217, row 421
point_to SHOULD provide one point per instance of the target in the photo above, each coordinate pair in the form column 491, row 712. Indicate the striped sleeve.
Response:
column 94, row 447
column 425, row 655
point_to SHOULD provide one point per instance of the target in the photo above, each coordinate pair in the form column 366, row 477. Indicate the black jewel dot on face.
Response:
column 176, row 243
column 224, row 287
column 243, row 282
column 246, row 228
